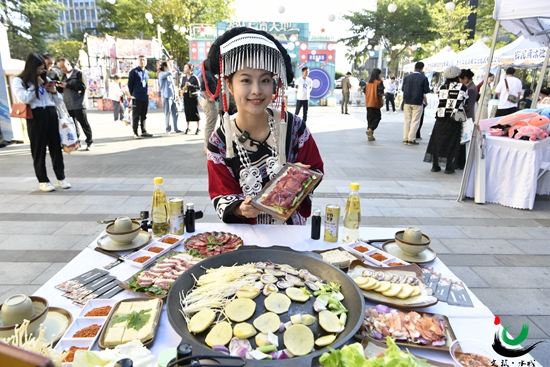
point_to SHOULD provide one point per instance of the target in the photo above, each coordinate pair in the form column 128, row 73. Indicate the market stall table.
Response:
column 512, row 170
column 468, row 323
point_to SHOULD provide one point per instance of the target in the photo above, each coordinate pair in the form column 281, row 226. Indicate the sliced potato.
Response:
column 393, row 291
column 307, row 319
column 220, row 334
column 248, row 291
column 262, row 339
column 277, row 302
column 406, row 291
column 296, row 294
column 268, row 321
column 383, row 286
column 329, row 322
column 298, row 340
column 244, row 330
column 325, row 340
column 371, row 285
column 240, row 309
column 416, row 291
column 361, row 280
column 201, row 321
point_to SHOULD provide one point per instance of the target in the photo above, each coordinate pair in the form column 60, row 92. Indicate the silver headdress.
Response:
column 252, row 50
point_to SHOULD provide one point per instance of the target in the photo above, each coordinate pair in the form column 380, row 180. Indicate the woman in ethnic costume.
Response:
column 444, row 142
column 251, row 146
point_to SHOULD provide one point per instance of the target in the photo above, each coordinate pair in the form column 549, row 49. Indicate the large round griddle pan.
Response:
column 353, row 301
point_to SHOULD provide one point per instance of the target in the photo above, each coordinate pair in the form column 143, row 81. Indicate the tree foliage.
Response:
column 64, row 48
column 128, row 17
column 409, row 25
column 449, row 26
column 28, row 23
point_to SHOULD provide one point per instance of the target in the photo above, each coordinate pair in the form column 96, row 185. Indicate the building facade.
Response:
column 80, row 15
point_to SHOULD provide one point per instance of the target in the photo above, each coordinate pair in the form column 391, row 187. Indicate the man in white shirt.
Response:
column 508, row 91
column 391, row 88
column 303, row 87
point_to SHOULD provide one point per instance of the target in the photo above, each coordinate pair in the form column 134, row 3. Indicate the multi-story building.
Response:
column 79, row 15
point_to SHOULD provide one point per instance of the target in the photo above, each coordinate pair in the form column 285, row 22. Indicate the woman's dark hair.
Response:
column 212, row 63
column 29, row 74
column 375, row 75
column 163, row 65
column 466, row 73
column 527, row 93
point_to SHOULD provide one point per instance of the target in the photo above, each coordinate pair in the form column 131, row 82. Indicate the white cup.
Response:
column 122, row 224
column 16, row 309
column 412, row 235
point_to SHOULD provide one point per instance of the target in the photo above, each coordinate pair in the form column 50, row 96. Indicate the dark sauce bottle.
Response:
column 316, row 225
column 190, row 218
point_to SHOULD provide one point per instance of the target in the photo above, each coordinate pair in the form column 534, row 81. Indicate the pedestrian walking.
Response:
column 74, row 86
column 117, row 97
column 415, row 87
column 444, row 144
column 191, row 92
column 346, row 88
column 373, row 101
column 209, row 104
column 138, row 80
column 508, row 91
column 303, row 86
column 168, row 92
column 35, row 89
column 390, row 88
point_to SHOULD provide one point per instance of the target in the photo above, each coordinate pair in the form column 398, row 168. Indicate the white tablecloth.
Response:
column 512, row 170
column 470, row 323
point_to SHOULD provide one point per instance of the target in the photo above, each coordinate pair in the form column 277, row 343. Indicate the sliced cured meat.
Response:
column 145, row 282
column 213, row 243
column 299, row 174
column 164, row 283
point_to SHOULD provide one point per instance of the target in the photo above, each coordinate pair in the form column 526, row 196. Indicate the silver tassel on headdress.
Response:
column 229, row 153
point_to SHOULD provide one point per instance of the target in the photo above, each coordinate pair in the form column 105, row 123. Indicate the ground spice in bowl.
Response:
column 87, row 332
column 361, row 249
column 72, row 351
column 378, row 257
column 99, row 311
column 155, row 249
column 169, row 240
column 142, row 259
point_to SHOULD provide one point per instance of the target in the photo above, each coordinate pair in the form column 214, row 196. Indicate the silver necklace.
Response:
column 250, row 178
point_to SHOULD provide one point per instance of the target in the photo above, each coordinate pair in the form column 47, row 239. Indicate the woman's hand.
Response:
column 51, row 88
column 245, row 209
column 301, row 165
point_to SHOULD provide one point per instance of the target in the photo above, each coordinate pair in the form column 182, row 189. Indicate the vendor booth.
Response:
column 532, row 20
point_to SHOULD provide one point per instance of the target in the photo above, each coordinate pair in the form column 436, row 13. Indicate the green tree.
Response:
column 64, row 48
column 485, row 25
column 29, row 22
column 128, row 17
column 397, row 31
column 449, row 26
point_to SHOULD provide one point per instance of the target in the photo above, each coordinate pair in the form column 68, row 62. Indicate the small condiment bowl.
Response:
column 463, row 347
column 409, row 248
column 40, row 312
column 16, row 309
column 125, row 237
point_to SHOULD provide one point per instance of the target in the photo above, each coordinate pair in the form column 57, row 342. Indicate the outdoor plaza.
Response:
column 500, row 253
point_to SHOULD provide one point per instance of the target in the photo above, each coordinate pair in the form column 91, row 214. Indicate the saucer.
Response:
column 108, row 244
column 425, row 256
column 56, row 323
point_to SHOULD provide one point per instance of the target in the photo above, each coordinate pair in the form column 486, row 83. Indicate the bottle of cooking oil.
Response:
column 352, row 215
column 159, row 210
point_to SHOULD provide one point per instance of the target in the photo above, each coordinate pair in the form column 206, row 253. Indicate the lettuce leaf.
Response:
column 353, row 356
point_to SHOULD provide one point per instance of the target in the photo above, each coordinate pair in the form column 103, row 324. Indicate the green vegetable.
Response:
column 353, row 356
column 195, row 253
column 136, row 320
column 267, row 348
column 330, row 296
column 305, row 291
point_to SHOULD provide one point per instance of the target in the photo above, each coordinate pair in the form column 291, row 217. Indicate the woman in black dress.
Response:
column 191, row 90
column 444, row 142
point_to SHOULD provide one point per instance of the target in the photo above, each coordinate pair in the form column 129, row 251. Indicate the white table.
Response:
column 512, row 170
column 470, row 323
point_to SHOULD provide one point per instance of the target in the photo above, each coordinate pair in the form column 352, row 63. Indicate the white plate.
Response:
column 56, row 323
column 424, row 257
column 108, row 244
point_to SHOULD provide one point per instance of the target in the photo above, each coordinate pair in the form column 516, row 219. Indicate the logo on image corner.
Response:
column 502, row 342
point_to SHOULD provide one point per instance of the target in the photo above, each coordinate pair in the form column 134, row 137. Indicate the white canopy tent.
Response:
column 437, row 62
column 474, row 57
column 526, row 54
column 532, row 20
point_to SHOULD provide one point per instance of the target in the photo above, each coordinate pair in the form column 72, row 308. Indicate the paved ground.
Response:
column 502, row 254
